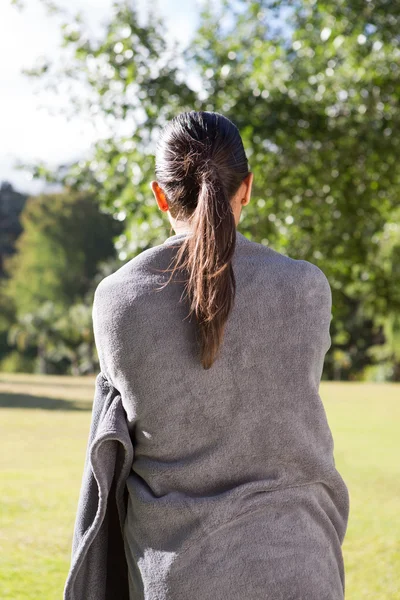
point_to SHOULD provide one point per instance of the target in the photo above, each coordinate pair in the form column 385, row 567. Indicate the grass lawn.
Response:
column 44, row 428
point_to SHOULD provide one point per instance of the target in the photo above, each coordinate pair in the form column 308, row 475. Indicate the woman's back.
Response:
column 233, row 491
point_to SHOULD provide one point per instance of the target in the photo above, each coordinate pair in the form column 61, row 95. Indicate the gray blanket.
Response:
column 217, row 484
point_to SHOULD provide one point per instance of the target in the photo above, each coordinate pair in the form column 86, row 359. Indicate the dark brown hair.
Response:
column 200, row 164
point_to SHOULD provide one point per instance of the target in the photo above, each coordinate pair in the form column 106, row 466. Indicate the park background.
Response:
column 314, row 89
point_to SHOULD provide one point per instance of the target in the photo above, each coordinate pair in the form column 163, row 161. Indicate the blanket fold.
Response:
column 98, row 562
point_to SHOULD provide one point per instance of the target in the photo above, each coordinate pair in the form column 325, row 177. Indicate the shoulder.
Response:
column 317, row 281
column 133, row 279
column 316, row 294
column 309, row 280
column 287, row 265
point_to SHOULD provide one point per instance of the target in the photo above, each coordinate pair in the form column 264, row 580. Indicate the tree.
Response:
column 64, row 239
column 36, row 329
column 76, row 340
column 318, row 105
column 130, row 82
column 314, row 89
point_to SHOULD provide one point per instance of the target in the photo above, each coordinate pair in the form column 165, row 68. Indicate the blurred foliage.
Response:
column 64, row 238
column 60, row 336
column 76, row 339
column 17, row 362
column 36, row 329
column 129, row 76
column 66, row 248
column 314, row 89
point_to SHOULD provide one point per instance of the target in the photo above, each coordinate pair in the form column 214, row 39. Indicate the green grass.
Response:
column 44, row 427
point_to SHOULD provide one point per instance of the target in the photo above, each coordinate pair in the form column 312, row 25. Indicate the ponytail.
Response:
column 206, row 256
column 211, row 285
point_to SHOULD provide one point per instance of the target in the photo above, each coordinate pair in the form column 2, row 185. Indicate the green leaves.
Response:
column 64, row 239
column 314, row 89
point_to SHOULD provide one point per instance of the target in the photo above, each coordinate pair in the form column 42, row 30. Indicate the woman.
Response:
column 216, row 347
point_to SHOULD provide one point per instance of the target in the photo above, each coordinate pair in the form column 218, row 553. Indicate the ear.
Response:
column 249, row 183
column 159, row 196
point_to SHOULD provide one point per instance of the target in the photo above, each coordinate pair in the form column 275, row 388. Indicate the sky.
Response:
column 28, row 131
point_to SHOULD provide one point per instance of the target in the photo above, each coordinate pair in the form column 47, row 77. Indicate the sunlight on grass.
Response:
column 365, row 419
column 43, row 443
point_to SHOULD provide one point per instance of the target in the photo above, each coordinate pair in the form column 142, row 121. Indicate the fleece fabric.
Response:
column 214, row 484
